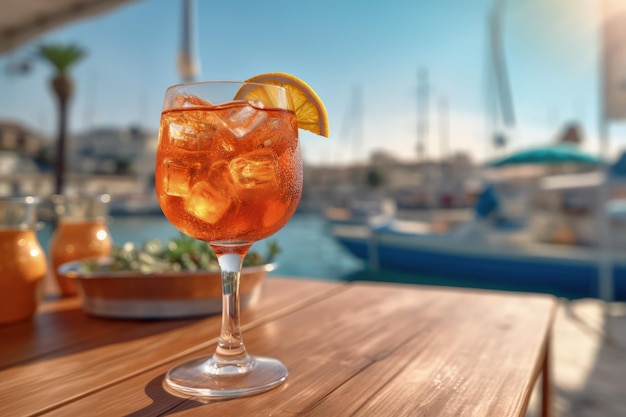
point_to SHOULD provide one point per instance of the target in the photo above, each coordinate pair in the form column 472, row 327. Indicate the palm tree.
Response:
column 62, row 58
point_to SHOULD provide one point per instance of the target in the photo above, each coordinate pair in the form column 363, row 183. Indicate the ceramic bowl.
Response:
column 128, row 294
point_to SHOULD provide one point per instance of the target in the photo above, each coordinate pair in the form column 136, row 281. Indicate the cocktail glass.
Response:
column 229, row 172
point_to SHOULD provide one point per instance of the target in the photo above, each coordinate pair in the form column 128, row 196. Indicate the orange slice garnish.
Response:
column 309, row 108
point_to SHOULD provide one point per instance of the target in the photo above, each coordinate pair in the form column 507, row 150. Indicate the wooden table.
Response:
column 353, row 349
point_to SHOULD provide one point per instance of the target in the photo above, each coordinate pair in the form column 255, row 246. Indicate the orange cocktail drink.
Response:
column 239, row 183
column 22, row 270
column 81, row 232
column 77, row 239
column 23, row 264
column 229, row 172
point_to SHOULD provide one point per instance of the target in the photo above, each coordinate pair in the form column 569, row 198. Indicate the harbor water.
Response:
column 308, row 251
column 307, row 248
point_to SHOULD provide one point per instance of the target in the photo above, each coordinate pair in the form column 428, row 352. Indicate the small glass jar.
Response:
column 81, row 232
column 23, row 264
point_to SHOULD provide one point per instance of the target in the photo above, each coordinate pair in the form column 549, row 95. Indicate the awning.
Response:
column 560, row 153
column 23, row 20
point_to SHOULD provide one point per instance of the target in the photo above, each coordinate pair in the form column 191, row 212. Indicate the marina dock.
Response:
column 589, row 361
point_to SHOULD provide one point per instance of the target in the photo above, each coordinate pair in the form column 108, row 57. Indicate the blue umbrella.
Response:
column 560, row 153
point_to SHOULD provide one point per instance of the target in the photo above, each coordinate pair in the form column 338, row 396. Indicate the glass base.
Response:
column 207, row 378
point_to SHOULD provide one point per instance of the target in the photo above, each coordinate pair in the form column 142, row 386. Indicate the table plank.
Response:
column 497, row 381
column 67, row 329
column 374, row 349
column 82, row 365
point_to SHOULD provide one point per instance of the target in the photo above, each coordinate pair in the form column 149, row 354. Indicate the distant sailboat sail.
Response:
column 499, row 97
column 500, row 71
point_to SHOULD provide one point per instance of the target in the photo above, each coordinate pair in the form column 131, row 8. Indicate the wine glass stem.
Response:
column 230, row 347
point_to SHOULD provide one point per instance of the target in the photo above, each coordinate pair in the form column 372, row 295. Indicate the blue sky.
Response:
column 336, row 46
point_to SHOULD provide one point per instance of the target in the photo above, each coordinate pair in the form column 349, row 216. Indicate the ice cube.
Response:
column 177, row 178
column 273, row 214
column 255, row 169
column 206, row 203
column 193, row 129
column 240, row 120
column 221, row 178
column 190, row 101
column 182, row 136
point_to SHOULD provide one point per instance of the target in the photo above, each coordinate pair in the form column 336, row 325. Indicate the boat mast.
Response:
column 423, row 91
column 188, row 66
column 353, row 125
column 358, row 121
column 612, row 106
column 444, row 131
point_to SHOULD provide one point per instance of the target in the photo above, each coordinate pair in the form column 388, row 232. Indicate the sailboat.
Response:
column 505, row 245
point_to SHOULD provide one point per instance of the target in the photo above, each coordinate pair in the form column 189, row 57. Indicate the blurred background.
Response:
column 381, row 69
column 426, row 100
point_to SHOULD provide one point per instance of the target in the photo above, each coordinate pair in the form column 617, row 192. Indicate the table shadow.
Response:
column 603, row 391
column 162, row 398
